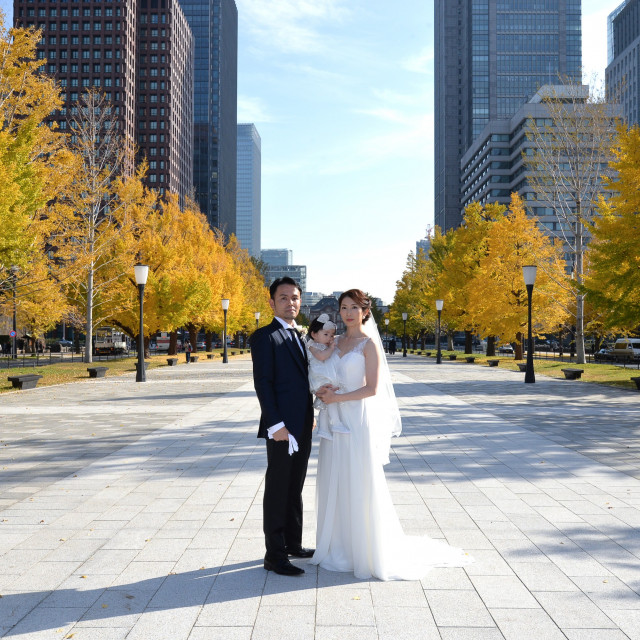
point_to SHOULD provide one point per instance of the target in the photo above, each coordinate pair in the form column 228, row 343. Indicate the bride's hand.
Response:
column 327, row 394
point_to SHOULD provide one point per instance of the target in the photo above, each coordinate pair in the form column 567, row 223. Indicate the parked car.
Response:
column 505, row 349
column 603, row 354
column 626, row 349
column 60, row 345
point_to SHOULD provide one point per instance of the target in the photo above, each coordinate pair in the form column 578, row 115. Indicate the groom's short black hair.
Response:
column 278, row 281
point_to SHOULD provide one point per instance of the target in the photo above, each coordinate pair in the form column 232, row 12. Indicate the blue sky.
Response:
column 341, row 92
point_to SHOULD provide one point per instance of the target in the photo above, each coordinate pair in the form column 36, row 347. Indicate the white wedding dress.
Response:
column 358, row 529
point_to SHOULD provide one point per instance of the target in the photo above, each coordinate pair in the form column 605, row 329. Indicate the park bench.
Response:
column 572, row 374
column 522, row 366
column 453, row 357
column 210, row 356
column 427, row 353
column 637, row 381
column 470, row 359
column 97, row 372
column 493, row 363
column 418, row 353
column 25, row 381
column 194, row 358
column 172, row 362
column 233, row 353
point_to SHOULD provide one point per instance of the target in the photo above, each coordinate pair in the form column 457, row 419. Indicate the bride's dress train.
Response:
column 358, row 528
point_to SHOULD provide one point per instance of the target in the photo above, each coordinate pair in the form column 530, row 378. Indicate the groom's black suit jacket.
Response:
column 281, row 381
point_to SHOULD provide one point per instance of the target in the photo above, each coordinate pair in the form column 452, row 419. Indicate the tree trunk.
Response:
column 208, row 336
column 579, row 334
column 88, row 332
column 519, row 351
column 193, row 337
column 173, row 343
column 468, row 342
column 491, row 346
column 147, row 353
column 449, row 340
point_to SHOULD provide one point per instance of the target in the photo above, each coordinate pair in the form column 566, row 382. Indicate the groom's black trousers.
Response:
column 282, row 504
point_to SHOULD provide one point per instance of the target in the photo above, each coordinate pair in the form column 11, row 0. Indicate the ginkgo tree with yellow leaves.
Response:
column 35, row 165
column 466, row 246
column 477, row 270
column 612, row 284
column 412, row 297
column 497, row 296
column 190, row 271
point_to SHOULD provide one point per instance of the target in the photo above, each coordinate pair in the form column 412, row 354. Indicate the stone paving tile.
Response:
column 503, row 592
column 528, row 624
column 457, row 608
column 573, row 610
column 456, row 633
column 409, row 623
column 595, row 634
column 353, row 633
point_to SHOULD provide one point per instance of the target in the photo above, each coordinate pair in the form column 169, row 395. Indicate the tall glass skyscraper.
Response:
column 249, row 189
column 622, row 74
column 214, row 24
column 491, row 56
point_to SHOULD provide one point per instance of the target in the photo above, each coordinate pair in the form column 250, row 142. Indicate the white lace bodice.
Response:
column 350, row 366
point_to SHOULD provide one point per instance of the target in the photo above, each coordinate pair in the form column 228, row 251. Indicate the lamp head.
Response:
column 439, row 305
column 529, row 274
column 141, row 273
column 257, row 314
column 225, row 304
column 386, row 321
column 405, row 315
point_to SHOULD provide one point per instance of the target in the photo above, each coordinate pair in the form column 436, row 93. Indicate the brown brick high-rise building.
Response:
column 140, row 54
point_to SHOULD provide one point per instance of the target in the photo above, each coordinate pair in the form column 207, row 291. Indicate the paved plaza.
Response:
column 134, row 511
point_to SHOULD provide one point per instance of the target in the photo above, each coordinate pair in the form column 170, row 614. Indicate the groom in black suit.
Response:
column 281, row 381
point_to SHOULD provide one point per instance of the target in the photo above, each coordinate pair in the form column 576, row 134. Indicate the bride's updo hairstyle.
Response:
column 360, row 299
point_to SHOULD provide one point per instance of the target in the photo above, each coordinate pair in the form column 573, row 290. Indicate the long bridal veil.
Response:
column 384, row 417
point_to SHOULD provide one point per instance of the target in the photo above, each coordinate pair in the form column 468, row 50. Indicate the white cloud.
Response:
column 421, row 62
column 385, row 113
column 252, row 110
column 414, row 140
column 292, row 26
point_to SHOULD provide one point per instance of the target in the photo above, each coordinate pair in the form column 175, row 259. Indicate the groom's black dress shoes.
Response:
column 300, row 552
column 283, row 567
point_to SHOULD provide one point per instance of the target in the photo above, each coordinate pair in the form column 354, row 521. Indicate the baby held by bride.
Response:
column 321, row 348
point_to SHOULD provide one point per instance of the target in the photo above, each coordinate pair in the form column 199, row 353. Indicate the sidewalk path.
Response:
column 134, row 511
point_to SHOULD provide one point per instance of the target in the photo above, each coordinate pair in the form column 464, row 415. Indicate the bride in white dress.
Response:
column 358, row 528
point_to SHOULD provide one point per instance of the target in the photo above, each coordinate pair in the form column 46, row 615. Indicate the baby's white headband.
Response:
column 326, row 322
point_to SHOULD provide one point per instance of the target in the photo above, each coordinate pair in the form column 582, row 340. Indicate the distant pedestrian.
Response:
column 187, row 351
column 392, row 346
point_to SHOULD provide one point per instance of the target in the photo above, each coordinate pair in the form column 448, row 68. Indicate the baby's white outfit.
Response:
column 321, row 373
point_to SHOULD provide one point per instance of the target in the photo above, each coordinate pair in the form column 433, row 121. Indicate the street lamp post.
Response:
column 386, row 334
column 439, row 305
column 257, row 314
column 14, row 343
column 529, row 274
column 141, row 274
column 404, row 336
column 225, row 308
